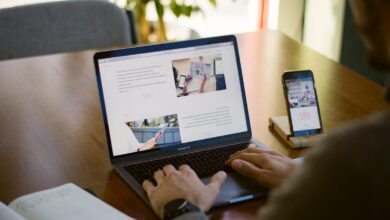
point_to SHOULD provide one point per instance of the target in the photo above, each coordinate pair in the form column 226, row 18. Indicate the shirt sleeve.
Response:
column 196, row 215
column 344, row 176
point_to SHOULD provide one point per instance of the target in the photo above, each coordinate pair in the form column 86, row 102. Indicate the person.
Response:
column 345, row 176
column 145, row 123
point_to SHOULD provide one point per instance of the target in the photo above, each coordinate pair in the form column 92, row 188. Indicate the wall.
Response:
column 324, row 26
column 290, row 20
column 318, row 24
column 353, row 52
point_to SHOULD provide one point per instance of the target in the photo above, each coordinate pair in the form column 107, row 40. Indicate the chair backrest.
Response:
column 62, row 26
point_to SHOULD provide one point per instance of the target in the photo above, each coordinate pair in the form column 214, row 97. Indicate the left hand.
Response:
column 182, row 184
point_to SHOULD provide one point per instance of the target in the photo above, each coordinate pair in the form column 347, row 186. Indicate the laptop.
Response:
column 176, row 103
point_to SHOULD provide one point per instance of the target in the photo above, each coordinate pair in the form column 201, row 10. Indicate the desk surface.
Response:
column 51, row 129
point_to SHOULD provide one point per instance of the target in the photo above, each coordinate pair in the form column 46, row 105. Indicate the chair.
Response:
column 62, row 26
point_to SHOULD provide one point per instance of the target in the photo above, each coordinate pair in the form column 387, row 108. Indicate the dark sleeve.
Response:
column 198, row 215
column 343, row 177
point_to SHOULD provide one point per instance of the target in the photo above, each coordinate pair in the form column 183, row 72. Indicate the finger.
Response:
column 148, row 187
column 186, row 169
column 158, row 176
column 247, row 169
column 258, row 159
column 217, row 180
column 168, row 169
column 252, row 148
column 241, row 151
column 255, row 149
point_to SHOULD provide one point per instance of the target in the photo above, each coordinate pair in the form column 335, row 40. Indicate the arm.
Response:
column 202, row 83
column 310, row 192
column 184, row 183
column 345, row 176
column 149, row 144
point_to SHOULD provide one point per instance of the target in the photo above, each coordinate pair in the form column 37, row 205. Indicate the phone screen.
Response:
column 182, row 80
column 302, row 103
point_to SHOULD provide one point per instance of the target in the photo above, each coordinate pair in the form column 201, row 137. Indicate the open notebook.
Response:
column 64, row 202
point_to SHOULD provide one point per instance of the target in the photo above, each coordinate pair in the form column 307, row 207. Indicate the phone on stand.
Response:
column 302, row 103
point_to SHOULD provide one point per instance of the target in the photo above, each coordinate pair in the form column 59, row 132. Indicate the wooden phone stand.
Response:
column 281, row 125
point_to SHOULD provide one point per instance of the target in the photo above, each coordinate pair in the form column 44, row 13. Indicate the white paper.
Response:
column 9, row 214
column 65, row 202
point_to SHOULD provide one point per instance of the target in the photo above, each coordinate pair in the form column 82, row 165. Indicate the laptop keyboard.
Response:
column 204, row 163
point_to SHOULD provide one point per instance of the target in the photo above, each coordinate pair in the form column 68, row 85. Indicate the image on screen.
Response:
column 155, row 132
column 199, row 75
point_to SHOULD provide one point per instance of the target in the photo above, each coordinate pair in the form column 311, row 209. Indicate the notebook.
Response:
column 63, row 202
column 176, row 103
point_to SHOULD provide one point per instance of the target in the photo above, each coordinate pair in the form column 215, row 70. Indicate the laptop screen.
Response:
column 169, row 97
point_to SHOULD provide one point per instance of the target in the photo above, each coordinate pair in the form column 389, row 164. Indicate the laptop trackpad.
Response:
column 237, row 188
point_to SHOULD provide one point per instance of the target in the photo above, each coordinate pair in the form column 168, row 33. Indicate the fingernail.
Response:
column 236, row 164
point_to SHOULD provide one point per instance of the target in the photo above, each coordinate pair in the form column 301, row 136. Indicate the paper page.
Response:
column 65, row 202
column 9, row 214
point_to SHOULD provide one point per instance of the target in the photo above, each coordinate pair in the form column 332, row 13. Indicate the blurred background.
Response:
column 322, row 25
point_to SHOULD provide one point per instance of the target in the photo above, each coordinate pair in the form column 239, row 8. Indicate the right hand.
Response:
column 267, row 167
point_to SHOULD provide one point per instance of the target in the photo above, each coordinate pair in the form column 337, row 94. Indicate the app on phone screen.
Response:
column 302, row 103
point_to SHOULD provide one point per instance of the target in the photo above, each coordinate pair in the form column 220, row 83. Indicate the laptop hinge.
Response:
column 160, row 155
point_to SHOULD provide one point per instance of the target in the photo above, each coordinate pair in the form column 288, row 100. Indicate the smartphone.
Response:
column 182, row 80
column 302, row 103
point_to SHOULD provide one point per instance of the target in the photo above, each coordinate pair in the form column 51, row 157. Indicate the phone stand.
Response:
column 281, row 125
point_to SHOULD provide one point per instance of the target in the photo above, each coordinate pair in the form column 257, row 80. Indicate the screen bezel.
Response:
column 195, row 145
column 299, row 74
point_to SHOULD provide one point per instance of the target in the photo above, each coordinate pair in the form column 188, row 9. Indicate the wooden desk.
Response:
column 51, row 129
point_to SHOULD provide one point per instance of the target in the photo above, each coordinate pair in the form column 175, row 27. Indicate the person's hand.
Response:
column 267, row 167
column 182, row 184
column 148, row 145
column 185, row 88
column 188, row 78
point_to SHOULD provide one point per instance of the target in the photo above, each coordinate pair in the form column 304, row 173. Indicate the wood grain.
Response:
column 51, row 129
